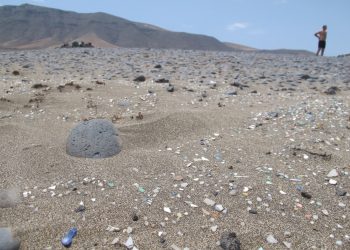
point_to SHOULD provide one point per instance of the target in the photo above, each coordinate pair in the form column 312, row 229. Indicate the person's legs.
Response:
column 318, row 51
column 322, row 51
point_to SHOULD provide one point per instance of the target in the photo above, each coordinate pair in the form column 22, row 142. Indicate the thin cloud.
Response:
column 237, row 26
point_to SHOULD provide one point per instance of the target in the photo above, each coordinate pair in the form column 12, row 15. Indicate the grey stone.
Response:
column 340, row 192
column 231, row 92
column 6, row 240
column 229, row 241
column 140, row 79
column 332, row 90
column 97, row 138
column 170, row 88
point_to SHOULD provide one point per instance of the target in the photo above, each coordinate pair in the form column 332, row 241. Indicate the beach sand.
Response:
column 247, row 131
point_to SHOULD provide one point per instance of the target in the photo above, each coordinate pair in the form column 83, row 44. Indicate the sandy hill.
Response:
column 30, row 26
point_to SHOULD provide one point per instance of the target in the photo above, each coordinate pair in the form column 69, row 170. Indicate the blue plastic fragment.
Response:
column 68, row 238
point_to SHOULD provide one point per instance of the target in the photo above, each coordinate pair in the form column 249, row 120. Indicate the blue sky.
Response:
column 263, row 24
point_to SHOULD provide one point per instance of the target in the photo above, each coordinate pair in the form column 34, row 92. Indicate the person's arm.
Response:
column 317, row 34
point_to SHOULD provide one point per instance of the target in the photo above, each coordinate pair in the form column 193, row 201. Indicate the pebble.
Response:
column 129, row 243
column 115, row 241
column 219, row 207
column 129, row 230
column 340, row 192
column 166, row 209
column 214, row 228
column 209, row 202
column 332, row 173
column 113, row 229
column 287, row 244
column 271, row 239
column 306, row 195
column 333, row 182
column 325, row 212
column 229, row 241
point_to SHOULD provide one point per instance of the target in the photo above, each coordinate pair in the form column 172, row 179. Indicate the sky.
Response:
column 262, row 24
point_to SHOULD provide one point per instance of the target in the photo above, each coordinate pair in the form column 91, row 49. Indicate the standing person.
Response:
column 322, row 36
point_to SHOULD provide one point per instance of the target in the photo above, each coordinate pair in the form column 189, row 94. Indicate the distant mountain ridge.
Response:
column 30, row 26
column 34, row 27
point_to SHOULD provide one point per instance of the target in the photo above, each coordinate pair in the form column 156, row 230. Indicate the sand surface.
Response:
column 249, row 132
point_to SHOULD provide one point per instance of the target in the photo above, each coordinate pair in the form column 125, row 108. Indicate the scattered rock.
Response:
column 271, row 239
column 229, row 241
column 96, row 138
column 340, row 192
column 162, row 80
column 39, row 86
column 306, row 195
column 332, row 173
column 170, row 88
column 140, row 79
column 332, row 90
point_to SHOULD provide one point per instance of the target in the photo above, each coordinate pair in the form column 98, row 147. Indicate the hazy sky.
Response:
column 263, row 24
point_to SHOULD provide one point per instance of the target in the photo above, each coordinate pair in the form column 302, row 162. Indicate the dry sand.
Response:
column 247, row 131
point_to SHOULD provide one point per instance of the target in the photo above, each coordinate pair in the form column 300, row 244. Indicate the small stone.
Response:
column 340, row 192
column 253, row 211
column 214, row 228
column 115, row 241
column 339, row 243
column 174, row 247
column 233, row 192
column 333, row 182
column 183, row 185
column 306, row 195
column 332, row 173
column 287, row 244
column 178, row 178
column 271, row 239
column 80, row 209
column 209, row 202
column 134, row 217
column 112, row 229
column 140, row 78
column 287, row 234
column 229, row 241
column 129, row 243
column 166, row 209
column 219, row 207
column 341, row 204
column 325, row 212
column 170, row 88
column 129, row 230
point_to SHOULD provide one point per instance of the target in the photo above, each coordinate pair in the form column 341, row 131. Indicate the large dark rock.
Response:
column 6, row 240
column 229, row 241
column 97, row 138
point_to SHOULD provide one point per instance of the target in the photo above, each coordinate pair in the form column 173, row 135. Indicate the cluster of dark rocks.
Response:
column 76, row 44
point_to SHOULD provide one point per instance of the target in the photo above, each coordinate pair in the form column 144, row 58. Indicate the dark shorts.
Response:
column 322, row 44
